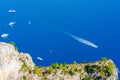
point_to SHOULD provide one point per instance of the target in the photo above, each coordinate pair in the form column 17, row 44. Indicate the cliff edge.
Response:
column 19, row 66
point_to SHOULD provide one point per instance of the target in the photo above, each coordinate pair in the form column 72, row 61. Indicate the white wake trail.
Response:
column 82, row 40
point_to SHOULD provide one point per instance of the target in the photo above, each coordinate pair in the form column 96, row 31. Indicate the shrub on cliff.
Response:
column 104, row 59
column 49, row 70
column 71, row 72
column 86, row 78
column 37, row 71
column 92, row 68
column 55, row 66
column 24, row 78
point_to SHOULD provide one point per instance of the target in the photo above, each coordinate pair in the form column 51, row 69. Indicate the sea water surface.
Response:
column 38, row 22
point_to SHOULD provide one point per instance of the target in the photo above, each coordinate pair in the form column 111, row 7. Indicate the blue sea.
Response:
column 40, row 26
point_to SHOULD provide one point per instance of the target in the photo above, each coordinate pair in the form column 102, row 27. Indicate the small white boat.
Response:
column 4, row 35
column 11, row 24
column 39, row 58
column 11, row 11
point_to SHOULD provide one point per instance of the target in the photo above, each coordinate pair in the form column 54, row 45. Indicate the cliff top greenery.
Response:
column 97, row 67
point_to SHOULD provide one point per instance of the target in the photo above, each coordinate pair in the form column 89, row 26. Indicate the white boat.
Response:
column 39, row 58
column 11, row 11
column 4, row 35
column 11, row 24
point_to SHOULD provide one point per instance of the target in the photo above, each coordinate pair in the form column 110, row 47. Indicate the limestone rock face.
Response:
column 11, row 63
column 20, row 66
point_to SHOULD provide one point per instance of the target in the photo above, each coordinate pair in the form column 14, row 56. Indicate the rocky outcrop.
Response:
column 13, row 64
column 103, row 69
column 9, row 62
column 19, row 66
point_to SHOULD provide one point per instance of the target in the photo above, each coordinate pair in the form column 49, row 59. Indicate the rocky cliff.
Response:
column 19, row 66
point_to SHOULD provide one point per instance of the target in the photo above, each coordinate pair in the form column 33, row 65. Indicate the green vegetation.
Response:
column 65, row 71
column 105, row 71
column 24, row 78
column 92, row 69
column 50, row 70
column 89, row 69
column 64, row 65
column 60, row 66
column 109, row 69
column 76, row 69
column 24, row 67
column 37, row 71
column 71, row 72
column 74, row 62
column 16, row 48
column 55, row 66
column 86, row 78
column 13, row 43
column 104, row 59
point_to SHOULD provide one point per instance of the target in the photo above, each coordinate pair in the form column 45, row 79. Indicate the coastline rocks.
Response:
column 20, row 66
